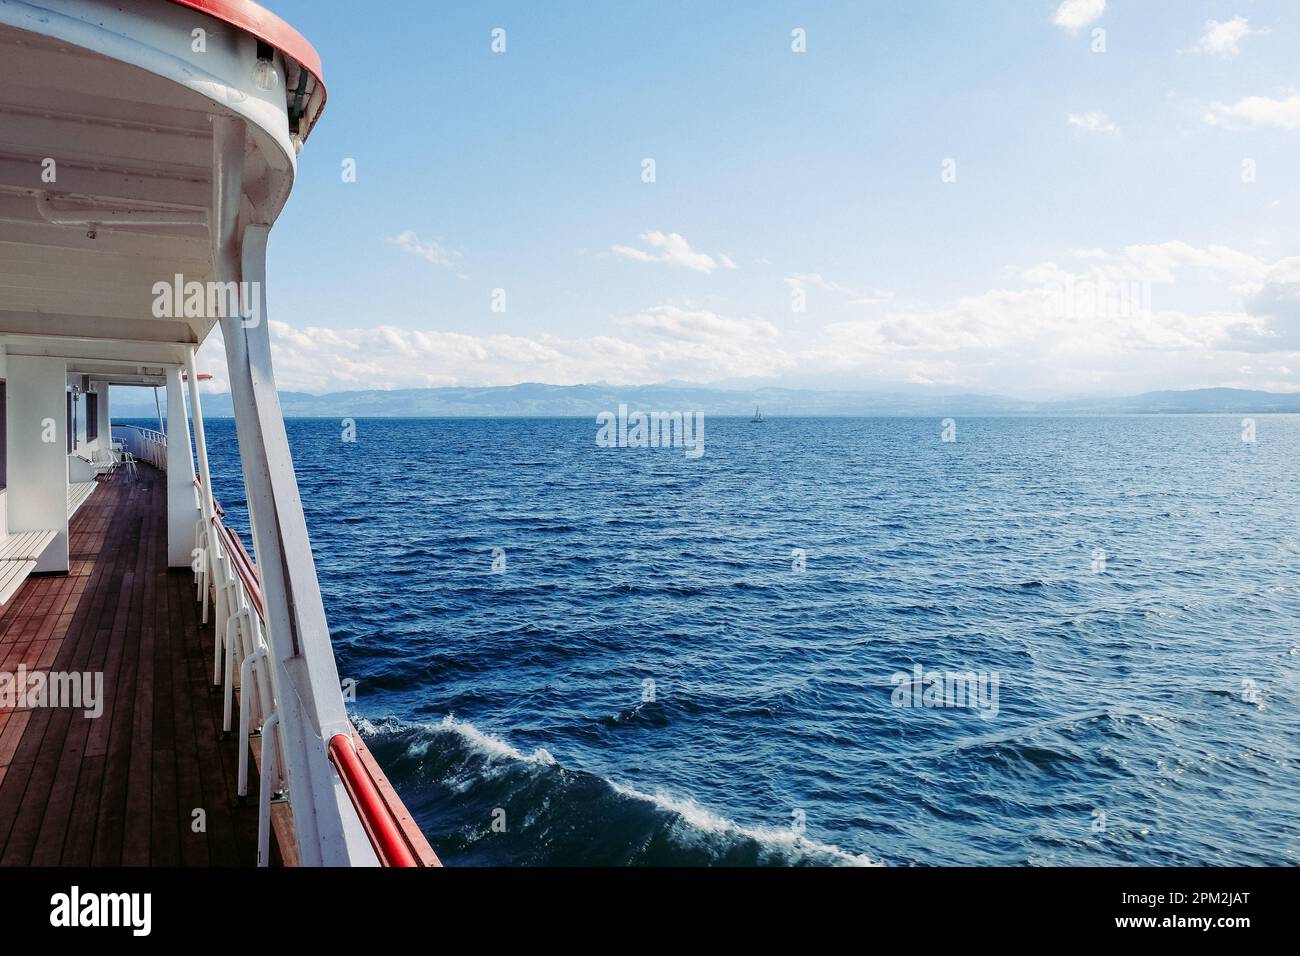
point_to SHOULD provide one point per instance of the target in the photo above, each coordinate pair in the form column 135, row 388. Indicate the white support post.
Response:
column 80, row 426
column 182, row 506
column 304, row 677
column 36, row 433
column 207, row 504
column 200, row 442
column 105, row 425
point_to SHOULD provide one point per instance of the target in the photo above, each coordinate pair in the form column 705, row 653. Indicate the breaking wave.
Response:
column 476, row 779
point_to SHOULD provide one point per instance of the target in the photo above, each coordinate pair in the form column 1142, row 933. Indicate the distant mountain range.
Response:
column 535, row 400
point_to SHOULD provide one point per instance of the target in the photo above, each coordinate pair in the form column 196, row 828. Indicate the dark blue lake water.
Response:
column 646, row 676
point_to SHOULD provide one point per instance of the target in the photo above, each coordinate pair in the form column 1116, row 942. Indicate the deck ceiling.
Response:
column 121, row 139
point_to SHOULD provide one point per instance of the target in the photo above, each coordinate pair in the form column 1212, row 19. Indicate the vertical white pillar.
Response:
column 200, row 440
column 105, row 419
column 80, row 443
column 207, row 505
column 308, row 697
column 36, row 433
column 182, row 501
column 304, row 676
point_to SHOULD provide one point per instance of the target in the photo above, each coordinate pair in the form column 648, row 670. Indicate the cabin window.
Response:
column 92, row 416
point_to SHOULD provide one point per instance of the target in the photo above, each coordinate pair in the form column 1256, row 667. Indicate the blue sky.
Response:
column 1164, row 166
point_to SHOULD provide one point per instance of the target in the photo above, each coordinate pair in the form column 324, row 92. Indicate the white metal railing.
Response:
column 224, row 572
column 146, row 444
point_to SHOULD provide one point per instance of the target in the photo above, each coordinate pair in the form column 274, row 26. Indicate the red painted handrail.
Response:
column 375, row 816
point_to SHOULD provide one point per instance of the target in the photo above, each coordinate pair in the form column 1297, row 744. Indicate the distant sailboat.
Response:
column 758, row 416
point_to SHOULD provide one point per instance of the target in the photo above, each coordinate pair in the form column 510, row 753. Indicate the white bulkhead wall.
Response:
column 36, row 498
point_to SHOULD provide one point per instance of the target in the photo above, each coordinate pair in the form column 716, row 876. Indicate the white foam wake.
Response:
column 492, row 746
column 777, row 839
column 488, row 745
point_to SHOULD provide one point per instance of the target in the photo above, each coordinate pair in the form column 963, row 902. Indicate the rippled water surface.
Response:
column 1130, row 582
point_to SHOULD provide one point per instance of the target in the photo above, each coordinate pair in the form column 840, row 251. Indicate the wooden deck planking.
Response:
column 121, row 789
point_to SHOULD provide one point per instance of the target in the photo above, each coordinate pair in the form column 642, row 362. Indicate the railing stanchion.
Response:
column 270, row 778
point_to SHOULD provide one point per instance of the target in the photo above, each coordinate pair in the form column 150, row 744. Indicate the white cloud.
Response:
column 1277, row 302
column 1093, row 122
column 656, row 345
column 672, row 249
column 1222, row 38
column 1153, row 315
column 685, row 325
column 814, row 280
column 429, row 250
column 1074, row 15
column 1258, row 111
column 1111, row 323
column 1161, row 262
